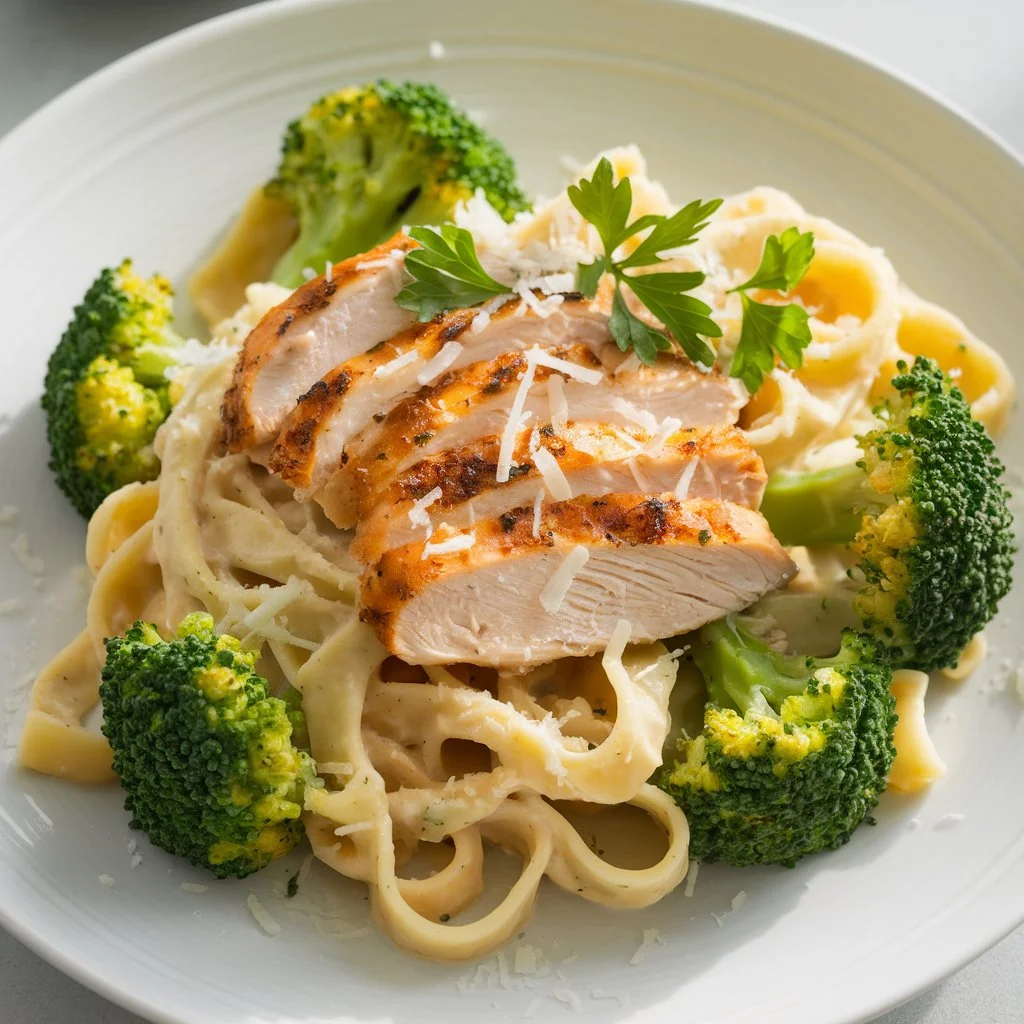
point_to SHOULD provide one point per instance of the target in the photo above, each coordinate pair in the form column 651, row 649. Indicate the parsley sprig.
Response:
column 447, row 274
column 606, row 204
column 769, row 330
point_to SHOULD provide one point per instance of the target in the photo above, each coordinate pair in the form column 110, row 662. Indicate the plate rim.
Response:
column 20, row 926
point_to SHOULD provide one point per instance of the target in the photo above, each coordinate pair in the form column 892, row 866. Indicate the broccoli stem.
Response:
column 825, row 507
column 744, row 674
column 150, row 361
column 360, row 214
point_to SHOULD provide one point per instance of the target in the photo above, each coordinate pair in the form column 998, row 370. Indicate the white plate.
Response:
column 150, row 157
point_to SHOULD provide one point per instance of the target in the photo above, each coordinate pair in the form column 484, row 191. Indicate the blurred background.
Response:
column 970, row 55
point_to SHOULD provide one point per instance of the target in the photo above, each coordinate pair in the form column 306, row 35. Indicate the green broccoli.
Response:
column 204, row 753
column 794, row 751
column 365, row 160
column 105, row 392
column 924, row 511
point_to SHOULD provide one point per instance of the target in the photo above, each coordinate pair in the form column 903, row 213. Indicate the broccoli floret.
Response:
column 926, row 513
column 105, row 392
column 203, row 751
column 794, row 752
column 365, row 160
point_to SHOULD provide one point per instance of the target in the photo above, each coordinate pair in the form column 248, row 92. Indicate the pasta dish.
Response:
column 528, row 510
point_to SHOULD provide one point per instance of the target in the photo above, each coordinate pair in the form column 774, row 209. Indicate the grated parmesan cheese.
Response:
column 662, row 661
column 8, row 515
column 669, row 425
column 557, row 404
column 304, row 869
column 23, row 553
column 450, row 351
column 617, row 642
column 570, row 998
column 584, row 374
column 556, row 588
column 378, row 264
column 631, row 364
column 106, row 881
column 436, row 49
column 193, row 887
column 12, row 606
column 504, row 980
column 357, row 826
column 515, row 414
column 948, row 821
column 620, row 997
column 691, row 878
column 262, row 915
column 651, row 937
column 460, row 542
column 398, row 363
column 262, row 620
column 642, row 480
column 538, row 503
column 641, row 417
column 685, row 479
column 418, row 513
column 525, row 960
column 554, row 479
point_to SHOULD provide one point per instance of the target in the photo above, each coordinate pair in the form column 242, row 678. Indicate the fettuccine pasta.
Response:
column 446, row 758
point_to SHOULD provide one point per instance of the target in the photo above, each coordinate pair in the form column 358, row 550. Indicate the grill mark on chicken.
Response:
column 595, row 458
column 288, row 318
column 401, row 576
column 347, row 418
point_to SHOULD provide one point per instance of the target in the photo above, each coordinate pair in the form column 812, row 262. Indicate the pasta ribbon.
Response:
column 981, row 373
column 917, row 763
column 259, row 237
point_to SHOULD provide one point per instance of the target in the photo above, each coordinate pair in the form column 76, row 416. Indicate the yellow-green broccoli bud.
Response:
column 926, row 513
column 106, row 391
column 366, row 160
column 204, row 753
column 119, row 417
column 794, row 751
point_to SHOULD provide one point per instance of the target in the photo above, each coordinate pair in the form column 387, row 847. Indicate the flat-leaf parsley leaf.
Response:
column 446, row 272
column 606, row 204
column 771, row 330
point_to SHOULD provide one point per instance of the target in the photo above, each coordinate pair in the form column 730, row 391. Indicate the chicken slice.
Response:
column 503, row 593
column 474, row 402
column 356, row 397
column 459, row 486
column 322, row 324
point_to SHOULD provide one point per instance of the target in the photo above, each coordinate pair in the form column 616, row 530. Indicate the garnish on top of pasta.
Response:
column 418, row 554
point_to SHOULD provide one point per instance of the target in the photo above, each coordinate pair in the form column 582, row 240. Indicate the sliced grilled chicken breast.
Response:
column 356, row 396
column 459, row 486
column 474, row 402
column 504, row 593
column 322, row 324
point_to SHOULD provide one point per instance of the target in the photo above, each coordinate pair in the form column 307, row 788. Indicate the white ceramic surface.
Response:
column 151, row 156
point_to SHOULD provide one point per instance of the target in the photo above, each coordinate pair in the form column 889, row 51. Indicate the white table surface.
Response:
column 969, row 53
